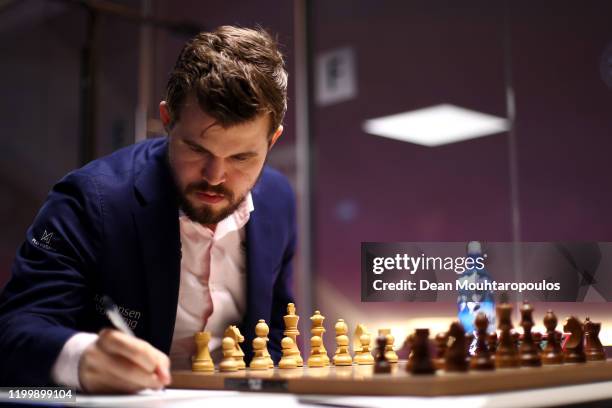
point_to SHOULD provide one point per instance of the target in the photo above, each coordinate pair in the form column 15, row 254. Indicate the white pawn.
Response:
column 261, row 330
column 228, row 363
column 315, row 359
column 390, row 354
column 342, row 356
column 288, row 358
column 259, row 361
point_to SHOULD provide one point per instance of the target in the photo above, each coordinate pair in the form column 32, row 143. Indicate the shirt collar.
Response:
column 243, row 212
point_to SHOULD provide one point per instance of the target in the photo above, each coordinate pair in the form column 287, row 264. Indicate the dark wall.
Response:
column 41, row 43
column 564, row 119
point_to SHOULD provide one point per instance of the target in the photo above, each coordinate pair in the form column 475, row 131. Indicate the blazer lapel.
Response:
column 261, row 242
column 156, row 220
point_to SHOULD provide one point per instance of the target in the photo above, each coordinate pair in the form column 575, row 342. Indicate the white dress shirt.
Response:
column 212, row 292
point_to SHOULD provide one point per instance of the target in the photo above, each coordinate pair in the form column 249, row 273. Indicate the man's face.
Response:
column 215, row 167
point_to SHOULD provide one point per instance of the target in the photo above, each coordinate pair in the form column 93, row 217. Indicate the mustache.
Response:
column 205, row 187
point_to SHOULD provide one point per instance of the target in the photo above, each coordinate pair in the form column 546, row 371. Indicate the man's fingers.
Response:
column 94, row 376
column 138, row 351
column 163, row 373
column 115, row 342
column 125, row 371
column 103, row 372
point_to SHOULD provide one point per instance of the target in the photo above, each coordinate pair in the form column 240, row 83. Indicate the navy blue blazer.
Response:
column 112, row 227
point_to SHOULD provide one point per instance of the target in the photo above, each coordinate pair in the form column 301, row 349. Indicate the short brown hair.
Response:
column 235, row 73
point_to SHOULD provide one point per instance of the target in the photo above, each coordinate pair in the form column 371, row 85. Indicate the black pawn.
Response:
column 456, row 354
column 421, row 360
column 381, row 364
column 440, row 341
column 506, row 355
column 552, row 353
column 529, row 351
column 481, row 360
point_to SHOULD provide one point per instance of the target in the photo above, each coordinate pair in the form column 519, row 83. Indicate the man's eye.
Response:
column 240, row 158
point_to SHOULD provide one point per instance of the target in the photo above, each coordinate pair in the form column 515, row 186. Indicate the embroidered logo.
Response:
column 46, row 237
column 44, row 241
column 131, row 316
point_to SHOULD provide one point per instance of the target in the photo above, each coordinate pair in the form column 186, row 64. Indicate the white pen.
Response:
column 112, row 312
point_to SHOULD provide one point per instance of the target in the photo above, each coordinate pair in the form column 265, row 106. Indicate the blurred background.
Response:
column 408, row 121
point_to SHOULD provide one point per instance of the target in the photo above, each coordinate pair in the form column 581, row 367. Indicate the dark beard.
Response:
column 205, row 215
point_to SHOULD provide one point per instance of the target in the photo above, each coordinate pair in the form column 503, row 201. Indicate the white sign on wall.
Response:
column 335, row 76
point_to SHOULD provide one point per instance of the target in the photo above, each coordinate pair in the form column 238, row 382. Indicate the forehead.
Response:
column 201, row 127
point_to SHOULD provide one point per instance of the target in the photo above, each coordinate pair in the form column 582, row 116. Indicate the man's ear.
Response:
column 275, row 136
column 164, row 114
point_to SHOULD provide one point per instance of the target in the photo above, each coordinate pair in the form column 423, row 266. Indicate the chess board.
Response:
column 360, row 380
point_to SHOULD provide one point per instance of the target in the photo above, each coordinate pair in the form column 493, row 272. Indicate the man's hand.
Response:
column 117, row 362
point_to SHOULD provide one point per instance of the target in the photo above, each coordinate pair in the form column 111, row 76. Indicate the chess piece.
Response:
column 202, row 360
column 421, row 362
column 381, row 364
column 291, row 330
column 390, row 353
column 516, row 337
column 455, row 357
column 506, row 354
column 573, row 351
column 364, row 357
column 552, row 353
column 537, row 340
column 409, row 343
column 342, row 357
column 529, row 351
column 234, row 333
column 262, row 330
column 593, row 348
column 260, row 360
column 441, row 341
column 469, row 339
column 315, row 359
column 492, row 343
column 359, row 330
column 384, row 332
column 288, row 359
column 481, row 360
column 229, row 362
column 318, row 330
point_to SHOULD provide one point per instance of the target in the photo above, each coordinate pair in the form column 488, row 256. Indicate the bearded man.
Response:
column 185, row 233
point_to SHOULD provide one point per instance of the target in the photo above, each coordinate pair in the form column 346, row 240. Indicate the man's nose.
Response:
column 214, row 171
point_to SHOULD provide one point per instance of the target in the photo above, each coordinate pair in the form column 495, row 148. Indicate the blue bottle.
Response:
column 470, row 302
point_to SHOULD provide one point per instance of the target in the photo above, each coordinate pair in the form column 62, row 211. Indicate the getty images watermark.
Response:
column 439, row 271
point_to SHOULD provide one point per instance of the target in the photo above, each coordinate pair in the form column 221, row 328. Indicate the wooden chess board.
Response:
column 360, row 380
